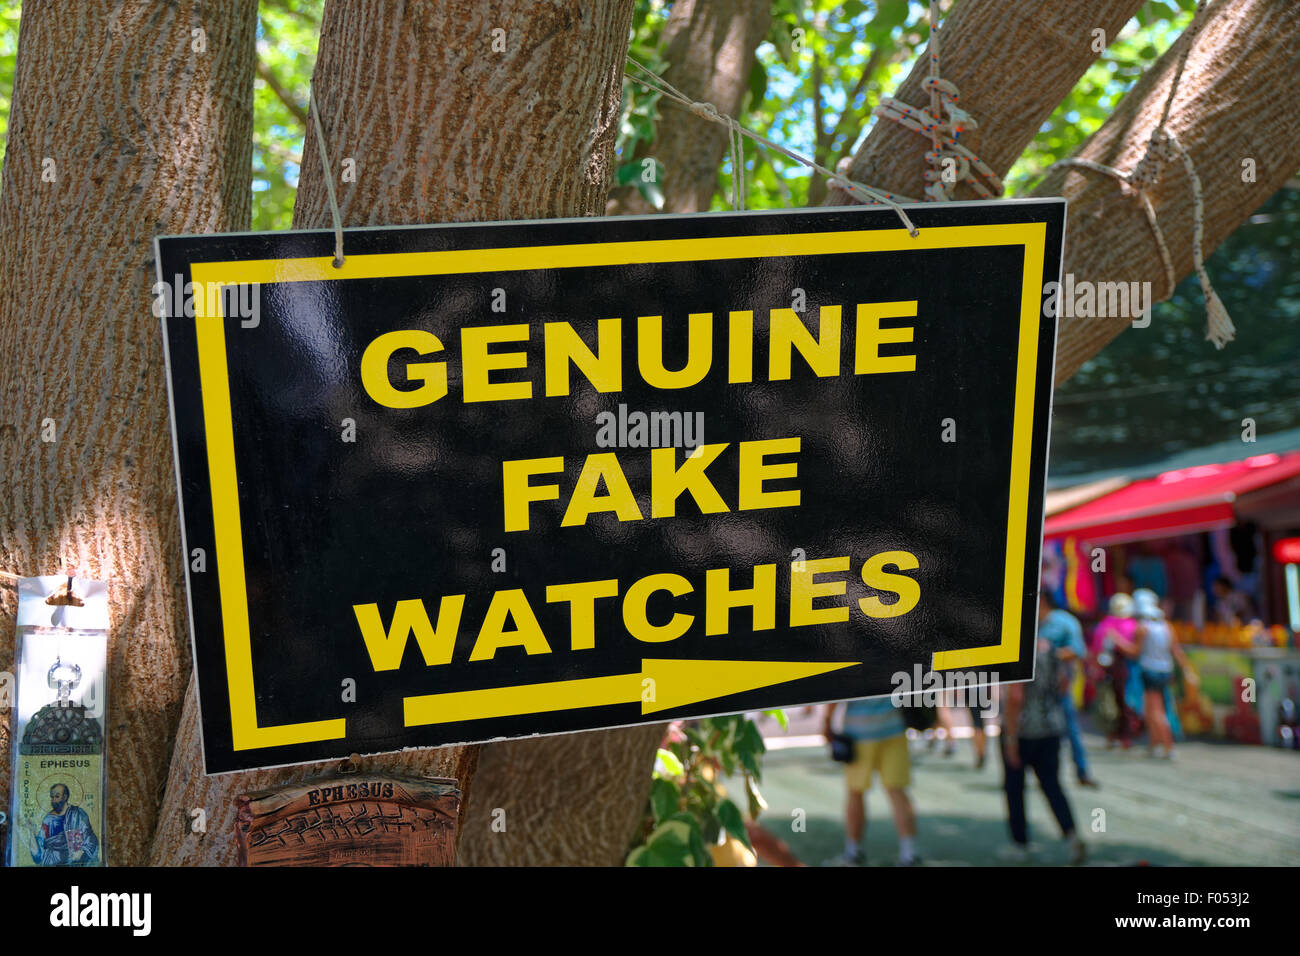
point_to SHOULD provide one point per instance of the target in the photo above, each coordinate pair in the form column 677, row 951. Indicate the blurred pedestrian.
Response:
column 978, row 737
column 880, row 747
column 1113, row 644
column 1033, row 722
column 1157, row 648
column 1065, row 633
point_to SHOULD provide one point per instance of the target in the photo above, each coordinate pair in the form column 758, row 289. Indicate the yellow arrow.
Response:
column 661, row 685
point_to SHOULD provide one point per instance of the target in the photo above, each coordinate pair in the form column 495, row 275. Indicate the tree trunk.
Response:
column 568, row 800
column 1013, row 63
column 710, row 46
column 141, row 115
column 444, row 126
column 1235, row 102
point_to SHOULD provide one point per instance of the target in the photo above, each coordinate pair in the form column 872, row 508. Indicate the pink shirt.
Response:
column 1126, row 627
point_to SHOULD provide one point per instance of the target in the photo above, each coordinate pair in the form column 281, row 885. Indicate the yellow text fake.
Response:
column 669, row 480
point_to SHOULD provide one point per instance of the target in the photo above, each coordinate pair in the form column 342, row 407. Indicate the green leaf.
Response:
column 668, row 853
column 728, row 760
column 641, row 124
column 733, row 726
column 670, row 843
column 733, row 822
column 757, row 83
column 710, row 827
column 627, row 173
column 780, row 717
column 756, row 802
column 682, row 834
column 699, row 850
column 672, row 765
column 664, row 799
column 750, row 749
column 652, row 192
column 890, row 13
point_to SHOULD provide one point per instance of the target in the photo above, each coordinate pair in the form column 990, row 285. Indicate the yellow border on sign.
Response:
column 214, row 379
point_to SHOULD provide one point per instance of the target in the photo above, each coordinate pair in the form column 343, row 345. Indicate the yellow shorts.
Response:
column 889, row 757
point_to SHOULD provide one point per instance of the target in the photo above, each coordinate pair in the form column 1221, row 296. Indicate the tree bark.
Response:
column 568, row 800
column 1235, row 102
column 144, row 133
column 442, row 128
column 711, row 47
column 1014, row 62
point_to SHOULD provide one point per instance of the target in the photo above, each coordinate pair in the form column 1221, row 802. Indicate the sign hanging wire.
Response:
column 329, row 179
column 652, row 81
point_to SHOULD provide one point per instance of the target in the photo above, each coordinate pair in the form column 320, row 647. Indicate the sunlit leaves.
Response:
column 689, row 809
column 839, row 42
column 8, row 61
column 640, row 104
column 675, row 842
column 287, row 34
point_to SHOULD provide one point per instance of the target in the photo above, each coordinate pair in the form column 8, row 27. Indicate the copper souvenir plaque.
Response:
column 352, row 819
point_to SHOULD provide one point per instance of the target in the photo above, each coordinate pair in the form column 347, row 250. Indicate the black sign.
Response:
column 496, row 480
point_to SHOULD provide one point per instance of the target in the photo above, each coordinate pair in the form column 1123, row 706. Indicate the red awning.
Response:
column 1175, row 502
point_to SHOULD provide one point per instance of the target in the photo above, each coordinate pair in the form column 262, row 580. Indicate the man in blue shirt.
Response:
column 879, row 746
column 1063, row 630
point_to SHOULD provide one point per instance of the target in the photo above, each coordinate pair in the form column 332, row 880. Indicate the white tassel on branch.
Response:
column 1219, row 327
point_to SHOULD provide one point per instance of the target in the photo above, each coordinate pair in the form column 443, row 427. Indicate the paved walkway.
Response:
column 1222, row 804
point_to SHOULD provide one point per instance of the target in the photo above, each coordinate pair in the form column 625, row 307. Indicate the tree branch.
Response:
column 1221, row 120
column 818, row 110
column 1014, row 63
column 852, row 116
column 269, row 78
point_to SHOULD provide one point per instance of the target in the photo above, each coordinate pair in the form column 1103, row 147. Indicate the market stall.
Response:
column 1220, row 545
